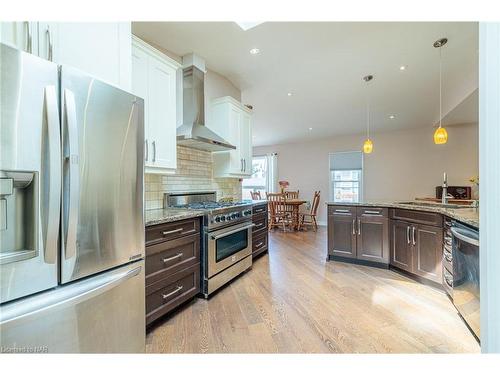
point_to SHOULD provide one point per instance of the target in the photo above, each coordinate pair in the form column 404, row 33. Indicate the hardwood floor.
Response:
column 294, row 301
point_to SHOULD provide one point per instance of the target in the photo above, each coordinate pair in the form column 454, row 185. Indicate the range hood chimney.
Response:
column 193, row 133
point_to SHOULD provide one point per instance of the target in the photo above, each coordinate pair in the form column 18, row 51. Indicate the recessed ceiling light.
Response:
column 392, row 117
column 402, row 67
column 310, row 129
column 289, row 94
column 254, row 51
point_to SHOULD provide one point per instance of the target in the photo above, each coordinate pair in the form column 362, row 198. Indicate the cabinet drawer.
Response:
column 166, row 258
column 259, row 209
column 169, row 231
column 168, row 293
column 420, row 217
column 259, row 243
column 342, row 210
column 373, row 211
column 260, row 221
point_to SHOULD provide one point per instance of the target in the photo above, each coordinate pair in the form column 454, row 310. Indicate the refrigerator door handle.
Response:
column 51, row 227
column 71, row 159
column 70, row 295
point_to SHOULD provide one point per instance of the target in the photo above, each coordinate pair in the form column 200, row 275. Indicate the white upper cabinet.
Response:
column 20, row 35
column 232, row 121
column 154, row 79
column 102, row 50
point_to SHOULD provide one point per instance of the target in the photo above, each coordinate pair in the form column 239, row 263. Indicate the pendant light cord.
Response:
column 368, row 111
column 440, row 87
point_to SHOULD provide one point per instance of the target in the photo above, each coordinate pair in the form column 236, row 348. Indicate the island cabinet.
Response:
column 358, row 234
column 417, row 243
column 172, row 266
column 260, row 235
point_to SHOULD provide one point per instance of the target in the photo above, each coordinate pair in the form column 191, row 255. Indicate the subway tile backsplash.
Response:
column 194, row 173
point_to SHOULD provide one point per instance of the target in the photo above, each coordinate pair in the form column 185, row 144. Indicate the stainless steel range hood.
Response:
column 193, row 133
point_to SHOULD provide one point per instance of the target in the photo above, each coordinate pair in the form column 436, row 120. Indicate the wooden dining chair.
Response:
column 277, row 211
column 311, row 215
column 256, row 195
column 292, row 194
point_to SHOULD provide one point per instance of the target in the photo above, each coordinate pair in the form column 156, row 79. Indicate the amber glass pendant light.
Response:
column 440, row 135
column 368, row 145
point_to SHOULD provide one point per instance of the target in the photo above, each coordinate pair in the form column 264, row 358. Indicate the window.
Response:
column 258, row 181
column 346, row 177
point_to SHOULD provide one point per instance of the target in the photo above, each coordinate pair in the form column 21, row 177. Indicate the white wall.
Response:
column 489, row 129
column 404, row 164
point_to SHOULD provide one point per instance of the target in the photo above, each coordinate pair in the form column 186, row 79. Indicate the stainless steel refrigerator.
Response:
column 71, row 210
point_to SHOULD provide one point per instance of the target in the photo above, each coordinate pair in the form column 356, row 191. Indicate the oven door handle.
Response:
column 232, row 232
column 462, row 234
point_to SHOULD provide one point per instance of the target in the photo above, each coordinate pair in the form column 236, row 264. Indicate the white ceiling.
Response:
column 322, row 64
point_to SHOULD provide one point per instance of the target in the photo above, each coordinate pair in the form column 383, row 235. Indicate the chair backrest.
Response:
column 256, row 195
column 315, row 202
column 276, row 203
column 292, row 194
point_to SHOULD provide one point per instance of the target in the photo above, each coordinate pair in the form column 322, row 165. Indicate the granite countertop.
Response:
column 468, row 216
column 168, row 215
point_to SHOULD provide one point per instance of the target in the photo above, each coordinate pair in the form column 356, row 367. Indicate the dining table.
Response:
column 295, row 206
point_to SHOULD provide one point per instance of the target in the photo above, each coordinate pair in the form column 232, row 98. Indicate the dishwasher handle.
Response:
column 466, row 235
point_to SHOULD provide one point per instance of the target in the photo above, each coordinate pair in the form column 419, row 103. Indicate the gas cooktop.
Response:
column 209, row 205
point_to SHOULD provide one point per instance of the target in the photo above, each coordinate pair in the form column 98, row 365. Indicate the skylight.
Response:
column 248, row 25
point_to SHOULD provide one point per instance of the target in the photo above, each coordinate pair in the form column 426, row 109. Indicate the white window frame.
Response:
column 330, row 177
column 264, row 187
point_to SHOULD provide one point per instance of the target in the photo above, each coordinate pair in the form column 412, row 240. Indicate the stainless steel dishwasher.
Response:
column 466, row 274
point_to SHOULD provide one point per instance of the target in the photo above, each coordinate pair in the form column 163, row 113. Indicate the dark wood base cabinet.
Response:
column 418, row 248
column 172, row 266
column 408, row 240
column 260, row 234
column 358, row 233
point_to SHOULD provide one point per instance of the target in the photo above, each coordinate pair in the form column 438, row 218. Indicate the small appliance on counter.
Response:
column 457, row 192
column 227, row 236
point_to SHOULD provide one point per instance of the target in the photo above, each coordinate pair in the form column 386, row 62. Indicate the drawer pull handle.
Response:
column 368, row 212
column 448, row 281
column 259, row 225
column 166, row 260
column 259, row 245
column 342, row 211
column 178, row 230
column 178, row 289
column 259, row 210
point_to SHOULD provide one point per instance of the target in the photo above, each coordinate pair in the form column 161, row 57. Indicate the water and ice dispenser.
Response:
column 18, row 216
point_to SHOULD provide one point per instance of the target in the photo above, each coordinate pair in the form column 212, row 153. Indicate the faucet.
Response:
column 444, row 194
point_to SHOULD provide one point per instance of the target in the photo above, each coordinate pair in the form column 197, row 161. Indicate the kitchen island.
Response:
column 404, row 236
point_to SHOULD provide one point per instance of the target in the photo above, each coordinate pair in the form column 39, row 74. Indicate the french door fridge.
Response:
column 71, row 210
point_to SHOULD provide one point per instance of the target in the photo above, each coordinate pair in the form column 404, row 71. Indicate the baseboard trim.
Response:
column 361, row 262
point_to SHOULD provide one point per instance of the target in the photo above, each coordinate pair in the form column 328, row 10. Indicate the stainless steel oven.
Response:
column 227, row 234
column 228, row 246
column 465, row 250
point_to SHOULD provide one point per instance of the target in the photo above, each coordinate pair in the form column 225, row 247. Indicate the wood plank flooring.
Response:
column 294, row 301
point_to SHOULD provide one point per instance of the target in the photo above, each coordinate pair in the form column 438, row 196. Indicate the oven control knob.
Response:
column 233, row 215
column 228, row 217
column 217, row 219
column 222, row 218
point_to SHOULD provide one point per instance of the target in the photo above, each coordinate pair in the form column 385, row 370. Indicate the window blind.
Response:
column 343, row 161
